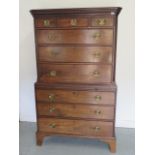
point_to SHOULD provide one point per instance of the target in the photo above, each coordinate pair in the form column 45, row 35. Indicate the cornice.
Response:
column 105, row 10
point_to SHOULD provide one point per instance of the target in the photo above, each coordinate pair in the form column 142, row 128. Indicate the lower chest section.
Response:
column 80, row 112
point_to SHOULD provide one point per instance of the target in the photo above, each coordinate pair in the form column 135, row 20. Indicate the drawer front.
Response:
column 101, row 21
column 77, row 127
column 47, row 22
column 72, row 22
column 76, row 54
column 68, row 96
column 64, row 73
column 74, row 110
column 95, row 36
column 62, row 22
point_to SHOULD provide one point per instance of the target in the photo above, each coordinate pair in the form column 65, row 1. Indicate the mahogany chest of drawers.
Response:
column 75, row 88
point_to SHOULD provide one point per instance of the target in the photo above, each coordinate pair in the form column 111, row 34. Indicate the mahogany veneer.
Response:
column 75, row 54
column 75, row 88
column 80, row 97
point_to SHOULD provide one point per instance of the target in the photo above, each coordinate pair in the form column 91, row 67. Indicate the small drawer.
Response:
column 102, row 21
column 95, row 36
column 75, row 73
column 75, row 54
column 68, row 96
column 72, row 22
column 76, row 127
column 47, row 23
column 75, row 110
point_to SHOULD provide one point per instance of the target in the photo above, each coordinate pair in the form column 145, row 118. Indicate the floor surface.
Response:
column 73, row 146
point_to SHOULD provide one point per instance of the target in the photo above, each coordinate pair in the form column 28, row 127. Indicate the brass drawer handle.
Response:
column 76, row 93
column 51, row 97
column 54, row 53
column 52, row 110
column 98, row 112
column 52, row 37
column 73, row 22
column 96, row 73
column 97, row 35
column 46, row 23
column 53, row 73
column 100, row 21
column 97, row 55
column 52, row 125
column 98, row 97
column 97, row 128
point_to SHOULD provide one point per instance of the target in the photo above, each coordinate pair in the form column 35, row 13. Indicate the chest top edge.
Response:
column 105, row 10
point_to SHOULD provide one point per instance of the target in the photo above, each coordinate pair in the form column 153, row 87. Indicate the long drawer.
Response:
column 95, row 36
column 69, row 96
column 74, row 110
column 76, row 127
column 75, row 54
column 75, row 73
